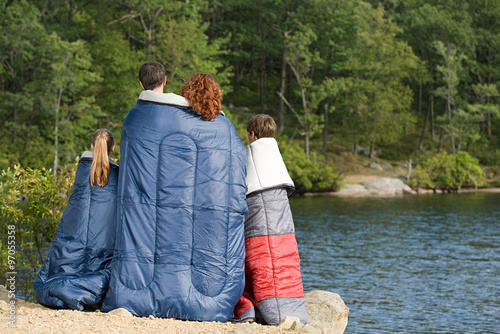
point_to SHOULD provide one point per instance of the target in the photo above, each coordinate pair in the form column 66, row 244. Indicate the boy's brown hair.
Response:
column 262, row 125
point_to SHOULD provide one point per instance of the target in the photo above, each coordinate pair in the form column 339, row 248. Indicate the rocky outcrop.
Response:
column 326, row 311
column 380, row 186
column 388, row 185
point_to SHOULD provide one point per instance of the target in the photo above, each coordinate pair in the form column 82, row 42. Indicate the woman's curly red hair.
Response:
column 204, row 95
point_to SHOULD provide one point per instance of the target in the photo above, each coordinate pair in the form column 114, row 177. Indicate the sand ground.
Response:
column 34, row 318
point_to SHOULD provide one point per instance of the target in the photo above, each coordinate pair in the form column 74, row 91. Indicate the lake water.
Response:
column 405, row 264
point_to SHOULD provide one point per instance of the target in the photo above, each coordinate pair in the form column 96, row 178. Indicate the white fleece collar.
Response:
column 164, row 98
column 265, row 166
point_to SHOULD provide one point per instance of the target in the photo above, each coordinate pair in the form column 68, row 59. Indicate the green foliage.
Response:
column 33, row 202
column 490, row 158
column 448, row 172
column 310, row 175
column 379, row 98
column 361, row 72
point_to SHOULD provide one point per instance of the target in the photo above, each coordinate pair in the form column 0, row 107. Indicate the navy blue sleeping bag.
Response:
column 76, row 272
column 181, row 204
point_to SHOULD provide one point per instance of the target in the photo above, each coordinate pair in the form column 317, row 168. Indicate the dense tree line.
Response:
column 405, row 76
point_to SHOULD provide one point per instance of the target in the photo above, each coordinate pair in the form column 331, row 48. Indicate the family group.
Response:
column 191, row 225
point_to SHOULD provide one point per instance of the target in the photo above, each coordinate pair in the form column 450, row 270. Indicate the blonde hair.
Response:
column 103, row 142
column 262, row 125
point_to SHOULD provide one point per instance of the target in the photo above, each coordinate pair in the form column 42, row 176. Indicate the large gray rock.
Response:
column 377, row 166
column 326, row 311
column 352, row 189
column 387, row 185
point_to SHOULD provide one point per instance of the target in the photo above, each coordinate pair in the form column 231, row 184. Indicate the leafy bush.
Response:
column 489, row 158
column 310, row 176
column 448, row 172
column 33, row 203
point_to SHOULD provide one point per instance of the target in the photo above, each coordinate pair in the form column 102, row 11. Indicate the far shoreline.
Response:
column 420, row 191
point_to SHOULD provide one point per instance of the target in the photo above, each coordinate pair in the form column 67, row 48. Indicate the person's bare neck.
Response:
column 158, row 89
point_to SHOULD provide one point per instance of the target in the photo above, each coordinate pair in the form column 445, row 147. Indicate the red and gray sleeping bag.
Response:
column 181, row 205
column 76, row 272
column 273, row 288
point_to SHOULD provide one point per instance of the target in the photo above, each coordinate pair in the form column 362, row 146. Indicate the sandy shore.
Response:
column 34, row 318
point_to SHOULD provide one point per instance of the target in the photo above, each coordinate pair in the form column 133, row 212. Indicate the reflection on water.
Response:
column 409, row 264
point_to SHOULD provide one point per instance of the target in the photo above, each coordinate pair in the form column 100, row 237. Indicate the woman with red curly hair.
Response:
column 204, row 95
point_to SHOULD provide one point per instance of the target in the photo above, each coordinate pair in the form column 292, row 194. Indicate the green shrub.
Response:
column 31, row 204
column 448, row 172
column 310, row 176
column 489, row 158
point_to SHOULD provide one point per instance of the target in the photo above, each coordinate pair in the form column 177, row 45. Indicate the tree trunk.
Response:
column 262, row 69
column 408, row 173
column 419, row 102
column 325, row 128
column 262, row 85
column 431, row 100
column 27, row 132
column 441, row 133
column 421, row 144
column 56, row 130
column 305, row 124
column 488, row 124
column 14, row 128
column 448, row 112
column 281, row 110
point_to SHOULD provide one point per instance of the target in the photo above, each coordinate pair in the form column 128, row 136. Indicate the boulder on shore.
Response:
column 388, row 185
column 380, row 186
column 326, row 311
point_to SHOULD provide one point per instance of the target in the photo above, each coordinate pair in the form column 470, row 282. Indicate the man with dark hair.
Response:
column 180, row 244
column 152, row 76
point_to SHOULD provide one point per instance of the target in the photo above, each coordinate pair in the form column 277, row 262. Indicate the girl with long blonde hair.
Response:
column 76, row 273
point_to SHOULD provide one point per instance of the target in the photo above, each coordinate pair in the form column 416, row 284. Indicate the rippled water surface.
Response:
column 406, row 264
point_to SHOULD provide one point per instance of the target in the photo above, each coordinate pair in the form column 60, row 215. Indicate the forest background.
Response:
column 404, row 79
column 348, row 82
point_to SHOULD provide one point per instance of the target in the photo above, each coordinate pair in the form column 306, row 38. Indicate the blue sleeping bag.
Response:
column 76, row 272
column 181, row 204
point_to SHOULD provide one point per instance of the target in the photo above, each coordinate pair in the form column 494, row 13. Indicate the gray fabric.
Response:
column 268, row 213
column 250, row 313
column 274, row 310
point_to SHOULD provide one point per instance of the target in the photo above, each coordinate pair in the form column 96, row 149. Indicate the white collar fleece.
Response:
column 166, row 98
column 265, row 166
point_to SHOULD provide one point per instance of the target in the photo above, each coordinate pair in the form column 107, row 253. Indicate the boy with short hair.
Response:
column 273, row 288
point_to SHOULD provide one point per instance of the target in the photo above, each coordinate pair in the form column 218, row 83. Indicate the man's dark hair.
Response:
column 151, row 74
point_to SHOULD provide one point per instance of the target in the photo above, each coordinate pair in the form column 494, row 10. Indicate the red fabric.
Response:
column 244, row 304
column 272, row 267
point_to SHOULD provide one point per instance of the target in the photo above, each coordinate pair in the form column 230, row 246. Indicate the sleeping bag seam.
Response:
column 229, row 197
column 268, row 242
column 195, row 179
column 120, row 209
column 156, row 212
column 88, row 219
